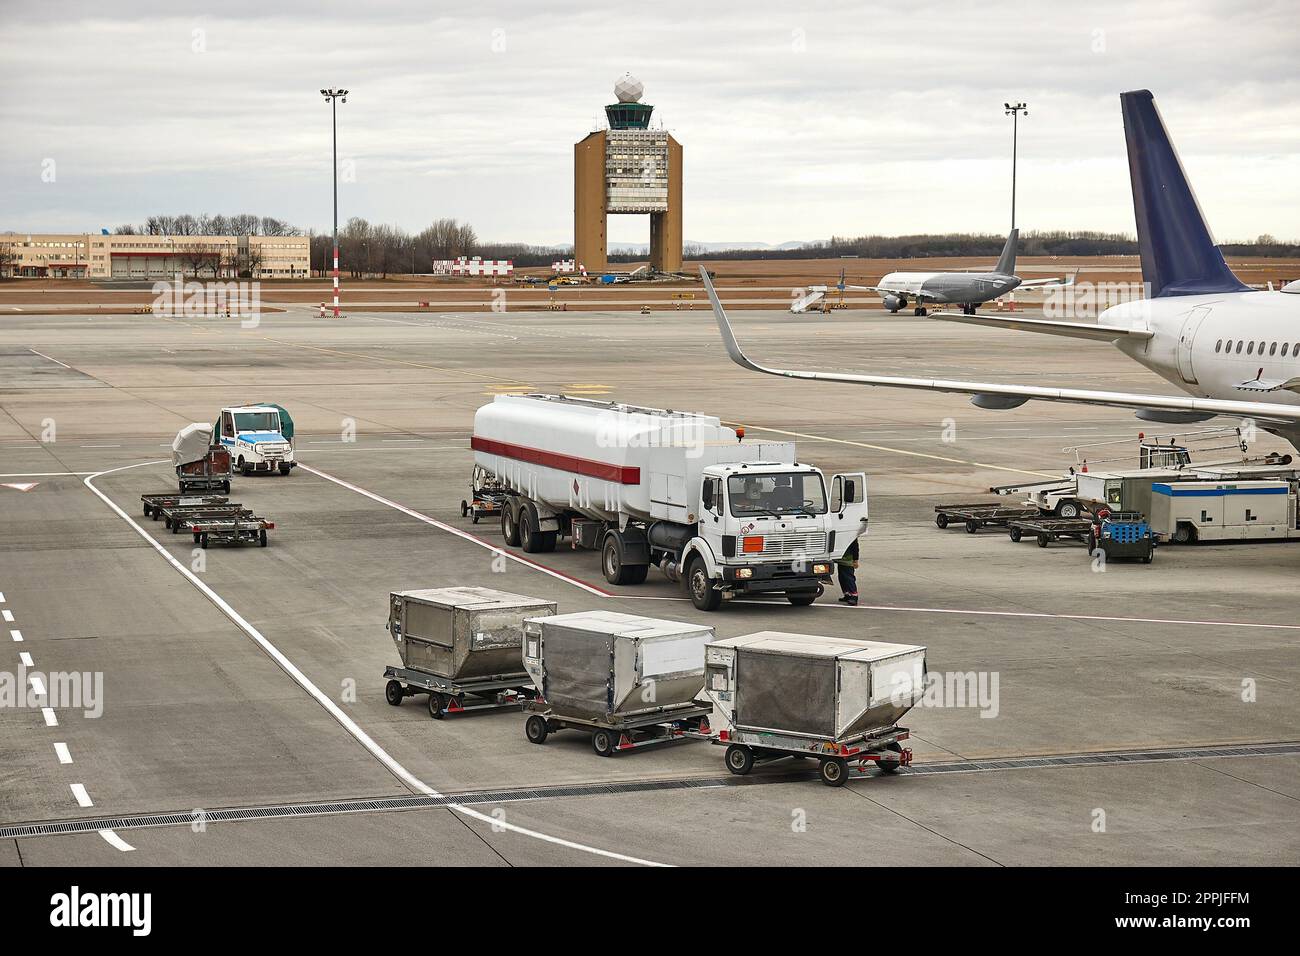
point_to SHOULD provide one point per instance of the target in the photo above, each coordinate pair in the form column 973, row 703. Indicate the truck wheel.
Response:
column 1043, row 540
column 436, row 704
column 802, row 598
column 833, row 771
column 285, row 468
column 535, row 729
column 703, row 594
column 611, row 563
column 1149, row 556
column 604, row 742
column 739, row 760
column 393, row 693
column 509, row 527
column 941, row 520
column 533, row 540
column 1067, row 509
column 464, row 508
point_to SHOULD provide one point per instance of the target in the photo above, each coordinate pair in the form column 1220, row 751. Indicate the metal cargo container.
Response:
column 804, row 685
column 462, row 634
column 610, row 666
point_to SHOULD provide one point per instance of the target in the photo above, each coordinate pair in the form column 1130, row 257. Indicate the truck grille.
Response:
column 792, row 544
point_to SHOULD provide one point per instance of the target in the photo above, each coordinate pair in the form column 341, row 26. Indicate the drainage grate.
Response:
column 492, row 797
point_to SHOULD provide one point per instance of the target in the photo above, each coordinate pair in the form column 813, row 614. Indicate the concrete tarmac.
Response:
column 202, row 712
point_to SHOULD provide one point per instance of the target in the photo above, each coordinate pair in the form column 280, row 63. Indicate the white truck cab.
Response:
column 258, row 437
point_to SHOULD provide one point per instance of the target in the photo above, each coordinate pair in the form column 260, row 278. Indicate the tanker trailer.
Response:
column 679, row 490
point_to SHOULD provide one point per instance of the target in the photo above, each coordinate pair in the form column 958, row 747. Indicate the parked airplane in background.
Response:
column 967, row 289
column 1202, row 329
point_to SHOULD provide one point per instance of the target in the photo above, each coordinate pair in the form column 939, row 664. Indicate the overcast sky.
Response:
column 799, row 120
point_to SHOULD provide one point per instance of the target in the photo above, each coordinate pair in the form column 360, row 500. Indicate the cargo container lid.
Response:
column 470, row 597
column 606, row 623
column 816, row 645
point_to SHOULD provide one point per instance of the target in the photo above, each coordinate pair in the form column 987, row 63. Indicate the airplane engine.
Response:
column 894, row 302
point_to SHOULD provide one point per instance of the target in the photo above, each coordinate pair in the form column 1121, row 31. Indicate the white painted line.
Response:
column 50, row 719
column 115, row 841
column 8, row 615
column 2, row 597
column 17, row 636
column 54, row 360
column 48, row 474
column 62, row 750
column 79, row 791
column 443, row 526
column 26, row 659
column 346, row 722
column 38, row 685
column 99, row 446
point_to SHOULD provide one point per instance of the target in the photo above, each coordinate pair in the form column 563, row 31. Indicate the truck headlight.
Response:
column 744, row 572
column 821, row 569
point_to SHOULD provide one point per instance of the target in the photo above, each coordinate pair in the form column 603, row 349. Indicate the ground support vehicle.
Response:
column 456, row 697
column 153, row 504
column 1123, row 534
column 1047, row 530
column 980, row 515
column 237, row 529
column 617, row 734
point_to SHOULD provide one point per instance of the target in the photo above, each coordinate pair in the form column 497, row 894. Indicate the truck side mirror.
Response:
column 850, row 492
column 706, row 495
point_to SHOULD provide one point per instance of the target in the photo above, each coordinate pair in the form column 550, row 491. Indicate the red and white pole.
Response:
column 336, row 282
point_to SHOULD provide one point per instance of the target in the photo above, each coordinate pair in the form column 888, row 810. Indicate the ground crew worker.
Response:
column 845, row 565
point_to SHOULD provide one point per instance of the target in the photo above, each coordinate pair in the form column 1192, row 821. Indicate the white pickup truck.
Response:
column 259, row 438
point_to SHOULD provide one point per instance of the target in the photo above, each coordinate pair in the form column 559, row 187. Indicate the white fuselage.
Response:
column 1189, row 346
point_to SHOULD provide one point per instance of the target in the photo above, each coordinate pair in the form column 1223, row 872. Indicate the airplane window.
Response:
column 1272, row 349
column 1285, row 346
column 1250, row 348
column 1239, row 345
column 1229, row 346
column 1261, row 348
column 1218, row 346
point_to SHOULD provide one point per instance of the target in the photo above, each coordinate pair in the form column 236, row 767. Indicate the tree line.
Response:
column 185, row 224
column 380, row 249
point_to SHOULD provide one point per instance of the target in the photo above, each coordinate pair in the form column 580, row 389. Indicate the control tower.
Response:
column 628, row 169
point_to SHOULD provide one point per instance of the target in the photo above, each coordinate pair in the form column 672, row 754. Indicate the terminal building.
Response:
column 98, row 256
column 628, row 169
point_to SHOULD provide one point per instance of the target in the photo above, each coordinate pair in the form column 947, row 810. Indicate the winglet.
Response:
column 1179, row 256
column 728, row 337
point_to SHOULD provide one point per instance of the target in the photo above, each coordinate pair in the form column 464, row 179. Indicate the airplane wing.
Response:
column 997, row 395
column 1077, row 330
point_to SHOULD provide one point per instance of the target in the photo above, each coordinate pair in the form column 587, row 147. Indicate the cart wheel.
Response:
column 261, row 538
column 147, row 511
column 285, row 468
column 604, row 742
column 436, row 704
column 1015, row 534
column 1043, row 540
column 941, row 520
column 972, row 526
column 464, row 507
column 196, row 537
column 225, row 486
column 535, row 729
column 833, row 771
column 739, row 760
column 203, row 541
column 1149, row 556
column 393, row 692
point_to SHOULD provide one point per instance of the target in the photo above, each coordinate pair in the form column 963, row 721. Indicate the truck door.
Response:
column 712, row 512
column 848, row 507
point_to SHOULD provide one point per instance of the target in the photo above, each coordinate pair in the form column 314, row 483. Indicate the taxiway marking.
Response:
column 17, row 636
column 346, row 722
column 51, row 720
column 115, row 841
column 79, row 791
column 61, row 750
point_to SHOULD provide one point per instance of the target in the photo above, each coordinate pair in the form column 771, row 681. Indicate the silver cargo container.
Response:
column 462, row 634
column 828, row 689
column 603, row 665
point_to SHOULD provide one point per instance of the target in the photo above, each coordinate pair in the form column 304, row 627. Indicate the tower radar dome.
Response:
column 628, row 89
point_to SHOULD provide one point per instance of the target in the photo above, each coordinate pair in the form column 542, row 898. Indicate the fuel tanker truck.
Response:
column 680, row 490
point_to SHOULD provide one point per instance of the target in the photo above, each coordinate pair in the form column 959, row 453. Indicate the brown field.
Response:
column 753, row 283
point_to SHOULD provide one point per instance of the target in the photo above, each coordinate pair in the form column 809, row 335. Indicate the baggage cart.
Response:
column 1047, row 530
column 980, row 515
column 154, row 503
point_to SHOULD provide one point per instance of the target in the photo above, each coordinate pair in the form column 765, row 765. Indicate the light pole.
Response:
column 333, row 96
column 1014, row 110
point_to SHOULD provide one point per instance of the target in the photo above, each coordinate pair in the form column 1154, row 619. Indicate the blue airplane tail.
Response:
column 1179, row 256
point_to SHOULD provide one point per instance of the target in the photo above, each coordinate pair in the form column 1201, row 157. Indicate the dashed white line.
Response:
column 8, row 615
column 61, row 749
column 38, row 685
column 2, row 597
column 115, row 841
column 346, row 722
column 50, row 719
column 17, row 636
column 25, row 658
column 79, row 791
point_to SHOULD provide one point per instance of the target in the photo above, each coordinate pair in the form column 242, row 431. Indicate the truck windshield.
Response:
column 257, row 421
column 800, row 493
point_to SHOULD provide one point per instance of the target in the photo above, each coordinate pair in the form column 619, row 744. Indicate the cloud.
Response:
column 830, row 118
